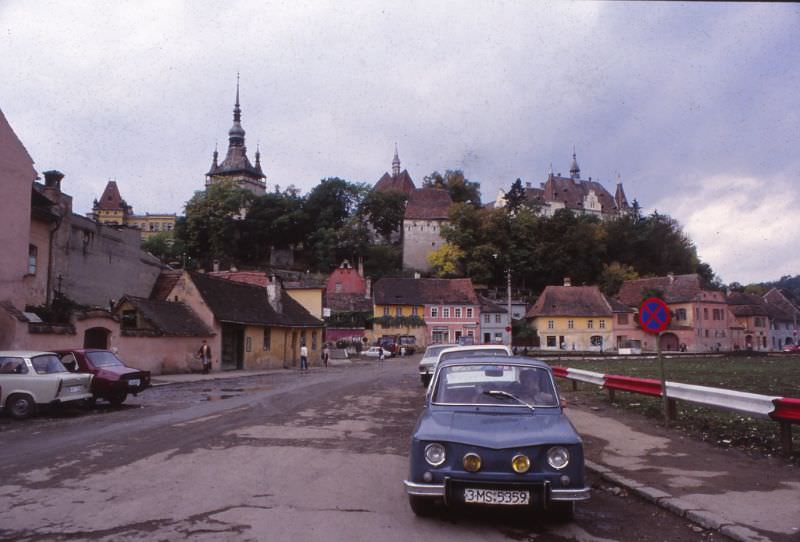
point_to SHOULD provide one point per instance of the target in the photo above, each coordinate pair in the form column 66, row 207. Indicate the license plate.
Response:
column 496, row 496
column 135, row 382
column 74, row 389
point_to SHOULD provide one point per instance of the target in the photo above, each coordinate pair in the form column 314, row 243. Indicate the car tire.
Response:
column 118, row 398
column 423, row 507
column 20, row 406
column 562, row 512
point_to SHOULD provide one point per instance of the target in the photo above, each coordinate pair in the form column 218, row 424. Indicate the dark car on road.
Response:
column 493, row 434
column 113, row 380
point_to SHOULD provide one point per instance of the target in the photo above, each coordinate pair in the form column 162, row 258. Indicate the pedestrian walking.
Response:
column 205, row 356
column 303, row 358
column 326, row 354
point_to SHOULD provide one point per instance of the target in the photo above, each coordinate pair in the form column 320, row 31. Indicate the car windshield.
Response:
column 433, row 351
column 49, row 364
column 103, row 358
column 496, row 385
column 474, row 353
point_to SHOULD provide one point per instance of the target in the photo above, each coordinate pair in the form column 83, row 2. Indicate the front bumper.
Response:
column 439, row 490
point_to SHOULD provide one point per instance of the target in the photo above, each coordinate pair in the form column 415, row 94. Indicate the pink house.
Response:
column 700, row 316
column 452, row 310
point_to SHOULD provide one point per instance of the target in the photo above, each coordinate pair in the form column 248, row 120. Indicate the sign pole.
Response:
column 663, row 373
column 654, row 318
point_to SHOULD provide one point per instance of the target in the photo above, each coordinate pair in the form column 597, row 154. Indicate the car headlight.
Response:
column 472, row 462
column 434, row 454
column 521, row 464
column 558, row 457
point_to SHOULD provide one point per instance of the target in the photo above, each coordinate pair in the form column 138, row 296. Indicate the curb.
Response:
column 679, row 507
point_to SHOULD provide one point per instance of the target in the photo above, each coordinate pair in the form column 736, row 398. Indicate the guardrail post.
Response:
column 574, row 385
column 786, row 438
column 672, row 409
column 611, row 394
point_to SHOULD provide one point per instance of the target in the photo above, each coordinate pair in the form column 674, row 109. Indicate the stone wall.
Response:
column 420, row 238
column 100, row 263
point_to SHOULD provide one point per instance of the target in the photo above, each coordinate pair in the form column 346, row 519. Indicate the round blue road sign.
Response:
column 654, row 315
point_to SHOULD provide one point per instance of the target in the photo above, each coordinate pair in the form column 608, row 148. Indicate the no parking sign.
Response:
column 654, row 316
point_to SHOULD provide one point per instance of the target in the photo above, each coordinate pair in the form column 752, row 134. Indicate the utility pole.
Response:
column 510, row 319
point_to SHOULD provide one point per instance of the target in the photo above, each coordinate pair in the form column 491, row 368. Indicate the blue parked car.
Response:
column 493, row 433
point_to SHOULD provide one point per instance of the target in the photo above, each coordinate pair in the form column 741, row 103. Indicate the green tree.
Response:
column 614, row 275
column 461, row 189
column 211, row 229
column 515, row 197
column 332, row 201
column 446, row 261
column 275, row 219
column 384, row 210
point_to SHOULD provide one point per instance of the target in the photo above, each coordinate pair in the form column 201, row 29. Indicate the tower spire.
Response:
column 575, row 171
column 236, row 133
column 396, row 162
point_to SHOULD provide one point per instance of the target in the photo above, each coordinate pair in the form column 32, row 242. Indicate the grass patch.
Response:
column 779, row 376
column 766, row 375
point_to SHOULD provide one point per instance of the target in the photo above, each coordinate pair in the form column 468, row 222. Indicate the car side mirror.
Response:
column 563, row 403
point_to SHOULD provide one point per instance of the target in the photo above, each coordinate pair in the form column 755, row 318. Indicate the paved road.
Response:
column 278, row 457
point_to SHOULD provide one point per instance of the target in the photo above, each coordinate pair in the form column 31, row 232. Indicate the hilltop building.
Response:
column 426, row 212
column 399, row 181
column 578, row 195
column 112, row 210
column 236, row 167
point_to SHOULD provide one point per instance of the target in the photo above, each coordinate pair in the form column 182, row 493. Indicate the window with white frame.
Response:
column 487, row 318
column 469, row 312
column 498, row 318
column 434, row 312
column 446, row 312
column 457, row 312
column 570, row 324
column 602, row 324
column 550, row 324
column 589, row 324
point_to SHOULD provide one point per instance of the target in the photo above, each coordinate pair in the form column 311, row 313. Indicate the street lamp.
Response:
column 508, row 300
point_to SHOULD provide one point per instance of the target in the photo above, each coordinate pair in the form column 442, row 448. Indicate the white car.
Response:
column 452, row 351
column 428, row 362
column 375, row 352
column 28, row 379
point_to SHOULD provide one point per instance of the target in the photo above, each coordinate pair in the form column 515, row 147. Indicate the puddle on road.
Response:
column 234, row 390
column 218, row 397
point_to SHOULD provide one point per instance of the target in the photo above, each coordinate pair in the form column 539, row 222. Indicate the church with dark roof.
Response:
column 236, row 167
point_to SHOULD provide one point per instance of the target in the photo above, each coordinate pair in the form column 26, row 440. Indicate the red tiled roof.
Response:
column 742, row 304
column 111, row 199
column 401, row 183
column 169, row 318
column 404, row 291
column 571, row 192
column 676, row 289
column 570, row 301
column 164, row 284
column 428, row 204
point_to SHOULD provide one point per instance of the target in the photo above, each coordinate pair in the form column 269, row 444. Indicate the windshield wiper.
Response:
column 498, row 393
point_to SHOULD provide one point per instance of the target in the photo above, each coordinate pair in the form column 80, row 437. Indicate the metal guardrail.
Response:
column 783, row 410
column 747, row 403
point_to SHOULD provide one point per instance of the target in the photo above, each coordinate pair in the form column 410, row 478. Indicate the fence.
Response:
column 783, row 410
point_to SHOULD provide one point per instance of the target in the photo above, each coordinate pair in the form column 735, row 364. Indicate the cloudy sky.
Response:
column 695, row 106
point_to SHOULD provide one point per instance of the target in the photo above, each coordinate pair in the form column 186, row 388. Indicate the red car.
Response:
column 113, row 380
column 791, row 348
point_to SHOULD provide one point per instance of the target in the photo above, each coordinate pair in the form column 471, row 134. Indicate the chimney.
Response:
column 215, row 266
column 527, row 184
column 671, row 277
column 52, row 179
column 360, row 266
column 274, row 294
column 567, row 281
column 368, row 288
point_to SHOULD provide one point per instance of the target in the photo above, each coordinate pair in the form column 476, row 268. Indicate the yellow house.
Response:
column 152, row 224
column 573, row 318
column 112, row 210
column 309, row 294
column 255, row 327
